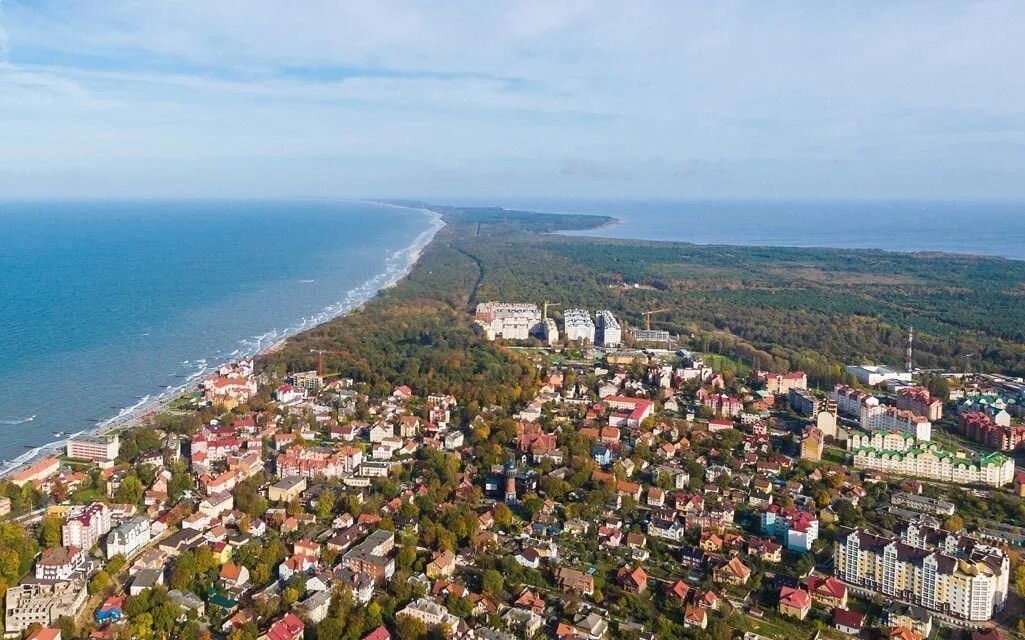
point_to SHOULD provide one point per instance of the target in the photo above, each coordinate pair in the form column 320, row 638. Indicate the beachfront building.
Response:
column 578, row 325
column 511, row 321
column 608, row 332
column 36, row 473
column 958, row 576
column 85, row 525
column 95, row 448
column 930, row 461
column 42, row 602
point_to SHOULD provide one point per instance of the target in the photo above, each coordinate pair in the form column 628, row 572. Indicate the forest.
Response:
column 776, row 308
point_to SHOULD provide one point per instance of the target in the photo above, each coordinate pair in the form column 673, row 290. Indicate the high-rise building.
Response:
column 608, row 332
column 578, row 325
column 956, row 575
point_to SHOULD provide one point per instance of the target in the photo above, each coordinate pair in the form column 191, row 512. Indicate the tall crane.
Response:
column 544, row 308
column 647, row 317
column 320, row 358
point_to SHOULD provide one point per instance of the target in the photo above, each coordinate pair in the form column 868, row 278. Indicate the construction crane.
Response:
column 544, row 308
column 647, row 317
column 320, row 358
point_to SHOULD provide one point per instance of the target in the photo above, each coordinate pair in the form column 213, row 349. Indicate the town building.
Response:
column 931, row 461
column 128, row 537
column 373, row 556
column 286, row 489
column 780, row 384
column 42, row 602
column 628, row 412
column 36, row 473
column 431, row 613
column 957, row 576
column 511, row 321
column 94, row 448
column 984, row 429
column 62, row 563
column 607, row 330
column 872, row 374
column 85, row 525
column 919, row 401
column 797, row 529
column 578, row 325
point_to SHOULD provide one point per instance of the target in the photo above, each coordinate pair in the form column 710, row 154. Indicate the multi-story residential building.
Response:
column 373, row 556
column 312, row 462
column 811, row 445
column 431, row 613
column 959, row 577
column 982, row 428
column 892, row 418
column 62, row 563
column 919, row 401
column 628, row 412
column 95, row 448
column 803, row 401
column 85, row 525
column 42, row 602
column 780, row 384
column 882, row 440
column 873, row 415
column 849, row 400
column 722, row 404
column 798, row 529
column 929, row 460
column 128, row 537
column 512, row 321
column 578, row 325
column 609, row 333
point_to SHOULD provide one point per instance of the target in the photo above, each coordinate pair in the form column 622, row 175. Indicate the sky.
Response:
column 430, row 98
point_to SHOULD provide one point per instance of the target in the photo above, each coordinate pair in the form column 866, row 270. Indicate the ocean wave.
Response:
column 18, row 420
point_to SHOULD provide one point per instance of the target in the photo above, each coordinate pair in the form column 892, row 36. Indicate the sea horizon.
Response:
column 983, row 227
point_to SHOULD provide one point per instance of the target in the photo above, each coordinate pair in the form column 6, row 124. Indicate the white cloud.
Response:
column 519, row 87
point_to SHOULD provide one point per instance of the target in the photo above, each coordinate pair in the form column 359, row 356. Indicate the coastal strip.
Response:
column 397, row 266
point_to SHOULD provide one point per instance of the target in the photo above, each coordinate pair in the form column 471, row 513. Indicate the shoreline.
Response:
column 148, row 406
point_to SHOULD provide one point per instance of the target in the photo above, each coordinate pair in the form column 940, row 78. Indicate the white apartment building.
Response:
column 431, row 613
column 956, row 576
column 930, row 461
column 872, row 415
column 873, row 374
column 85, row 525
column 578, row 325
column 128, row 537
column 512, row 321
column 609, row 333
column 881, row 440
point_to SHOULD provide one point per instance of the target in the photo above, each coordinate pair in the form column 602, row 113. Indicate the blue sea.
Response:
column 105, row 307
column 979, row 227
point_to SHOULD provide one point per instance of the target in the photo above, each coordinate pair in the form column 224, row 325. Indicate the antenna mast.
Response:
column 911, row 340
